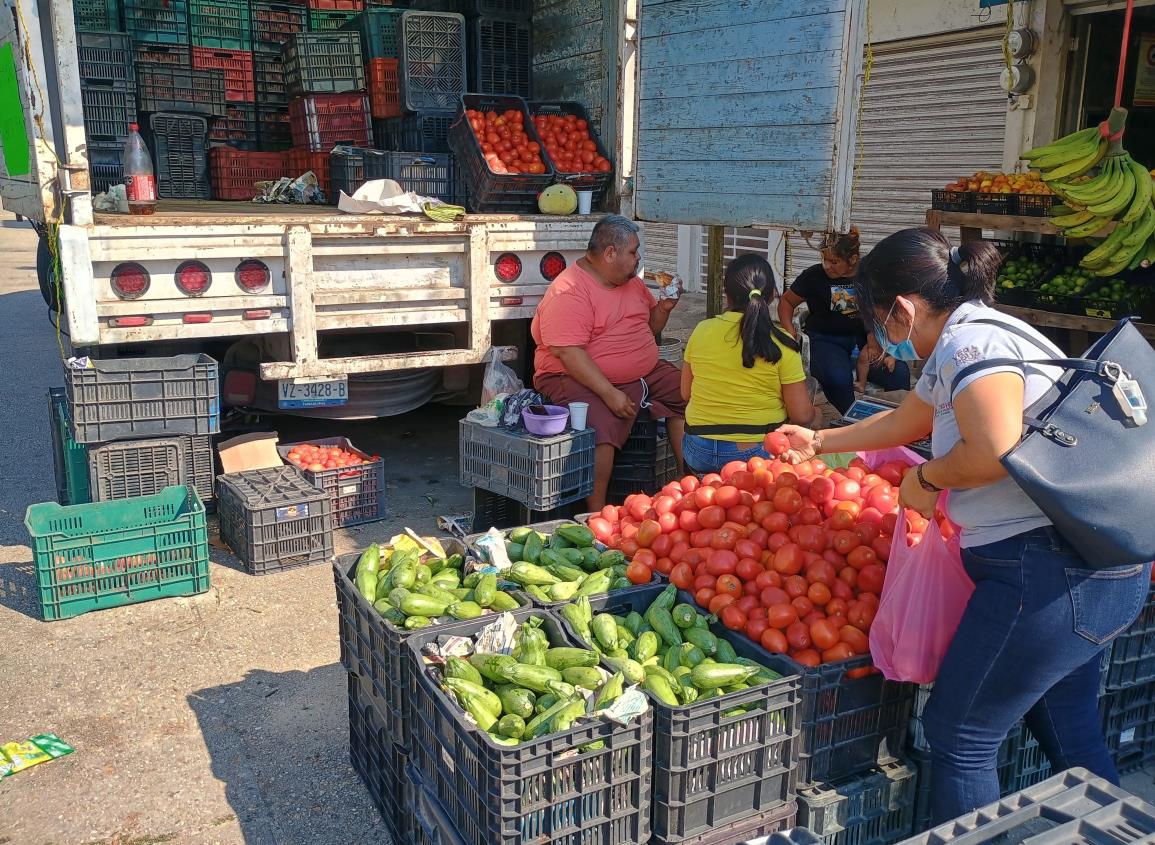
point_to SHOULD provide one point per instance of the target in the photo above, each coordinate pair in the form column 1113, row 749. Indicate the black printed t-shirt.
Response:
column 833, row 305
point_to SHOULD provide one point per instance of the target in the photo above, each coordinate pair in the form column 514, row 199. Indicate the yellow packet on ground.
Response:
column 18, row 756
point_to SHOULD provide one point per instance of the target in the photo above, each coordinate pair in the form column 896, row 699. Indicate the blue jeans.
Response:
column 1029, row 644
column 830, row 363
column 703, row 455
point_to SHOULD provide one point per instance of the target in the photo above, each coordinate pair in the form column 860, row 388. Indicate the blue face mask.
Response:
column 903, row 351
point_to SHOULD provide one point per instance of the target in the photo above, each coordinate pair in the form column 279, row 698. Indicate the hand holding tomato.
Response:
column 801, row 443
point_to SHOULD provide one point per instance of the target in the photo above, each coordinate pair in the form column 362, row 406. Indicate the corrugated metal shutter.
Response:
column 660, row 246
column 933, row 111
column 767, row 242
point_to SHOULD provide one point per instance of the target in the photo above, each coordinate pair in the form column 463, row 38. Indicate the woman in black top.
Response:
column 835, row 327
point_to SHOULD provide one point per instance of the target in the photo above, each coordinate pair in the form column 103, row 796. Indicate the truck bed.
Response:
column 211, row 212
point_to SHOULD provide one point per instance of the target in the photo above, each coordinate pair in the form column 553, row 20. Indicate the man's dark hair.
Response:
column 612, row 230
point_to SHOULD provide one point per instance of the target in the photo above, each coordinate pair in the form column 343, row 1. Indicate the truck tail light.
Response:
column 193, row 278
column 129, row 322
column 508, row 267
column 551, row 265
column 190, row 319
column 129, row 281
column 253, row 275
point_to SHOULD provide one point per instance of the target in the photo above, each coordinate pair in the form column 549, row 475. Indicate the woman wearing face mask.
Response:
column 1030, row 641
column 834, row 326
column 741, row 374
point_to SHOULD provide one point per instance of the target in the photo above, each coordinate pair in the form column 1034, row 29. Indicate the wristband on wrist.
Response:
column 817, row 443
column 926, row 485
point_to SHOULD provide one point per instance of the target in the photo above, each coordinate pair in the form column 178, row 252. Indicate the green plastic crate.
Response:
column 108, row 554
column 379, row 30
column 327, row 20
column 69, row 458
column 97, row 15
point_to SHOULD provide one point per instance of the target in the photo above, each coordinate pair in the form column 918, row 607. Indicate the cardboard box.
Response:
column 249, row 451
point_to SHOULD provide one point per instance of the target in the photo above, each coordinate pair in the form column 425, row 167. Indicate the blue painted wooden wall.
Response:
column 738, row 118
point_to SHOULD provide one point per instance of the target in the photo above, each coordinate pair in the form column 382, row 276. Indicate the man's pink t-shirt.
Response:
column 612, row 324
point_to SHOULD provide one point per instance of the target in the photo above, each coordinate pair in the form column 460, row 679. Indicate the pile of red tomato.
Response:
column 504, row 142
column 569, row 144
column 794, row 556
column 318, row 458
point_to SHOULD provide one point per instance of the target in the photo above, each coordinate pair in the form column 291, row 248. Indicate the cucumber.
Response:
column 516, row 701
column 562, row 658
column 587, row 677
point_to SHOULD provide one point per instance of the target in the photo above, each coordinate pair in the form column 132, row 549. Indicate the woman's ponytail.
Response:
column 751, row 288
column 975, row 267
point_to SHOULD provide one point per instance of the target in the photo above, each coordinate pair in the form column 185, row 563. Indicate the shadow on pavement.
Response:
column 19, row 590
column 280, row 743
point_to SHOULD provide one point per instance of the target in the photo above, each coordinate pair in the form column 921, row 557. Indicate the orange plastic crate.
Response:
column 383, row 79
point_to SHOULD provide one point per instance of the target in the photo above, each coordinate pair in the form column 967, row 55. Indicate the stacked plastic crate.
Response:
column 1127, row 693
column 108, row 95
column 500, row 47
column 645, row 463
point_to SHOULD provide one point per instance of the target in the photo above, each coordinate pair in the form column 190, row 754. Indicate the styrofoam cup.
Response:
column 585, row 202
column 577, row 415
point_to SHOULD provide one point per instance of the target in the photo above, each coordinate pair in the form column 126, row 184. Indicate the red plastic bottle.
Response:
column 139, row 176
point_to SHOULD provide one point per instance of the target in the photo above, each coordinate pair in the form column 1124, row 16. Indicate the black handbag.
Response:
column 1086, row 460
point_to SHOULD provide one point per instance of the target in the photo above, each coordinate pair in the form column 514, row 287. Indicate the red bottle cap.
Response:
column 132, row 127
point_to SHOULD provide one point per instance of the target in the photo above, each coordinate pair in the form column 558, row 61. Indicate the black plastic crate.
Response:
column 238, row 128
column 1130, row 660
column 199, row 470
column 491, row 192
column 1033, row 205
column 500, row 56
column 157, row 21
column 433, row 73
column 105, row 167
column 629, row 478
column 423, row 132
column 136, row 467
column 358, row 492
column 168, row 88
column 380, row 31
column 850, row 725
column 994, row 203
column 922, row 811
column 874, row 808
column 597, row 182
column 166, row 55
column 324, row 63
column 223, row 24
column 943, row 200
column 274, row 131
column 540, row 472
column 642, row 446
column 429, row 824
column 1021, row 761
column 180, row 153
column 711, row 769
column 105, row 58
column 275, row 23
column 491, row 510
column 544, row 792
column 1072, row 808
column 516, row 9
column 1129, row 726
column 759, row 830
column 426, row 174
column 143, row 397
column 269, row 74
column 378, row 761
column 108, row 111
column 98, row 15
column 273, row 519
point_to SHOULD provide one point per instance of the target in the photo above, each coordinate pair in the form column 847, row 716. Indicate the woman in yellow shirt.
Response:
column 741, row 374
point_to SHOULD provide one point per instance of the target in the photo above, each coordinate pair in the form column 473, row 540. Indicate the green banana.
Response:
column 1077, row 167
column 1066, row 152
column 1120, row 200
column 1141, row 204
column 1116, row 265
column 1078, row 218
column 1102, row 187
column 1085, row 230
column 1143, row 229
column 1150, row 252
column 1074, row 139
column 1103, row 253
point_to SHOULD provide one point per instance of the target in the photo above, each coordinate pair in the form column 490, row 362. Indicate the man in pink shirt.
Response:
column 595, row 332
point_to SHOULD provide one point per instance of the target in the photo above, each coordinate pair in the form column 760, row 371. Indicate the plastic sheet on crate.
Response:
column 143, row 397
column 540, row 791
column 324, row 63
column 69, row 458
column 874, row 807
column 540, row 472
column 320, row 122
column 157, row 21
column 108, row 554
column 221, row 24
column 237, row 67
column 108, row 111
column 379, row 30
column 273, row 519
column 358, row 492
column 235, row 174
column 180, row 153
column 238, row 128
column 378, row 761
column 136, row 467
column 274, row 23
column 168, row 88
column 99, row 15
column 432, row 60
column 105, row 167
column 1072, row 808
column 106, row 58
column 500, row 56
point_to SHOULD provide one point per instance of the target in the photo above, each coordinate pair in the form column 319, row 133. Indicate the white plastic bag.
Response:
column 499, row 380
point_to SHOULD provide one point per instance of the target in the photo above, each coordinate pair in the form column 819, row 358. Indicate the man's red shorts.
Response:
column 664, row 384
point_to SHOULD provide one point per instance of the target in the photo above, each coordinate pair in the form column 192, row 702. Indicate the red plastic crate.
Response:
column 338, row 5
column 234, row 173
column 240, row 82
column 322, row 121
column 301, row 159
column 384, row 81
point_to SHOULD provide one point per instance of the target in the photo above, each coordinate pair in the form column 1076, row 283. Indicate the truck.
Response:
column 717, row 112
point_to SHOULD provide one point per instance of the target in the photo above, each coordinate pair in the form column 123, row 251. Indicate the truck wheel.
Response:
column 46, row 275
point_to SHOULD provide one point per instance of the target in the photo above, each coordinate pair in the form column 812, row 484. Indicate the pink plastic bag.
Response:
column 923, row 599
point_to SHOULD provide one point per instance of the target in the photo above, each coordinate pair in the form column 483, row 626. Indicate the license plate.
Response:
column 314, row 393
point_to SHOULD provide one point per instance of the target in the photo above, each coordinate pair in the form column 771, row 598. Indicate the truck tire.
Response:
column 46, row 275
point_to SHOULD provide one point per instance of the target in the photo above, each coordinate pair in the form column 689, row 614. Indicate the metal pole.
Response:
column 715, row 246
